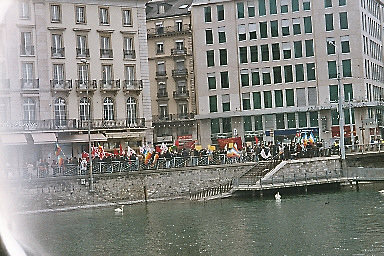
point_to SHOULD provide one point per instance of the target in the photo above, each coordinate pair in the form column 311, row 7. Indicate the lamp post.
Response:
column 84, row 61
column 340, row 103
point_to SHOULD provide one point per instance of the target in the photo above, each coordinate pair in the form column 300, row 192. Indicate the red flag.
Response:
column 121, row 150
column 84, row 155
column 257, row 140
column 177, row 144
column 157, row 149
column 115, row 152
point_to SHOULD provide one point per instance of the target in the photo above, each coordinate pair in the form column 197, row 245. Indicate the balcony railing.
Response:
column 61, row 85
column 181, row 94
column 106, row 53
column 57, row 52
column 29, row 84
column 27, row 50
column 4, row 84
column 109, row 85
column 129, row 54
column 178, row 52
column 162, row 94
column 82, row 85
column 161, row 73
column 179, row 72
column 119, row 123
column 133, row 85
column 173, row 117
column 82, row 52
column 166, row 30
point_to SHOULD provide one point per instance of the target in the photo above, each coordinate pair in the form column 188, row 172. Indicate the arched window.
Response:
column 60, row 110
column 29, row 108
column 108, row 109
column 85, row 109
column 131, row 111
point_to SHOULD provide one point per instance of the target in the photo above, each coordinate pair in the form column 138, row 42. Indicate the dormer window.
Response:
column 161, row 9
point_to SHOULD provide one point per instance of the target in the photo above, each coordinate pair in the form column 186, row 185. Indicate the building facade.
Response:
column 269, row 69
column 171, row 68
column 68, row 66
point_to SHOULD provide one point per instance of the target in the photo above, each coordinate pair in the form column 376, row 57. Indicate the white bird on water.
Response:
column 277, row 196
column 120, row 209
column 381, row 191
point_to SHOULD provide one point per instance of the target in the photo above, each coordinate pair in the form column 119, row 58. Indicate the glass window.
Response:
column 302, row 119
column 335, row 117
column 223, row 57
column 131, row 111
column 296, row 26
column 291, row 120
column 222, row 37
column 266, row 76
column 327, row 3
column 343, row 20
column 342, row 2
column 309, row 52
column 108, row 109
column 278, row 98
column 284, row 6
column 244, row 78
column 227, row 127
column 252, row 31
column 300, row 97
column 251, row 8
column 207, row 14
column 255, row 77
column 127, row 18
column 58, row 76
column 29, row 109
column 277, row 79
column 267, row 99
column 333, row 93
column 280, row 121
column 348, row 115
column 24, row 10
column 331, row 49
column 295, row 5
column 307, row 5
column 215, row 125
column 256, row 100
column 313, row 119
column 312, row 96
column 308, row 25
column 246, row 101
column 286, row 50
column 55, row 13
column 274, row 28
column 254, row 53
column 85, row 109
column 285, row 27
column 240, row 10
column 263, row 30
column 299, row 72
column 329, row 22
column 288, row 73
column 332, row 69
column 220, row 12
column 208, row 36
column 272, row 7
column 60, row 112
column 348, row 92
column 212, row 103
column 264, row 52
column 163, row 111
column 104, row 16
column 311, row 72
column 247, row 123
column 297, row 46
column 80, row 14
column 347, row 69
column 289, row 97
column 211, row 81
column 226, row 102
column 345, row 48
column 224, row 79
column 258, row 123
column 242, row 33
column 210, row 58
column 262, row 9
column 159, row 47
column 276, row 51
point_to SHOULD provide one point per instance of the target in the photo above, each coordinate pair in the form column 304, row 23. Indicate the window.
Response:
column 251, row 8
column 104, row 17
column 223, row 57
column 263, row 30
column 254, row 53
column 258, row 123
column 29, row 110
column 299, row 72
column 159, row 28
column 256, row 100
column 272, row 7
column 280, row 124
column 159, row 47
column 327, row 3
column 57, row 49
column 288, row 74
column 4, row 106
column 335, row 117
column 297, row 46
column 332, row 69
column 227, row 127
column 329, row 22
column 130, row 76
column 85, row 109
column 60, row 112
column 27, row 80
column 55, row 13
column 347, row 69
column 331, row 49
column 131, row 111
column 161, row 8
column 220, row 12
column 274, row 28
column 285, row 27
column 24, row 10
column 342, row 2
column 284, row 6
column 226, row 102
column 278, row 98
column 211, row 81
column 210, row 58
column 296, row 27
column 266, row 76
column 224, row 79
column 343, row 20
column 302, row 119
column 307, row 5
column 286, row 50
column 207, row 14
column 312, row 96
column 345, row 48
column 222, row 37
column 267, row 99
column 309, row 52
column 300, row 97
column 82, row 74
column 311, row 72
column 178, row 25
column 240, row 10
column 127, row 18
column 277, row 79
column 105, row 46
column 163, row 111
column 333, row 93
column 291, row 120
column 161, row 71
column 276, row 51
column 162, row 89
column 308, row 25
column 295, row 5
column 212, row 103
column 182, row 109
column 264, row 52
column 208, row 36
column 80, row 15
column 262, row 9
column 81, row 49
column 348, row 92
column 58, row 76
column 243, row 54
column 289, row 97
column 241, row 31
column 106, row 76
column 255, row 77
column 129, row 52
column 215, row 126
column 247, row 120
column 27, row 47
column 252, row 31
column 348, row 115
column 244, row 77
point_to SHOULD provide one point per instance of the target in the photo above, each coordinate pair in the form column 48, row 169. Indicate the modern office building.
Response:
column 67, row 64
column 171, row 67
column 268, row 68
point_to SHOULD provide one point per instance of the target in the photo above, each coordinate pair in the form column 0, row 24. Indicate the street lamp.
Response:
column 340, row 103
column 84, row 61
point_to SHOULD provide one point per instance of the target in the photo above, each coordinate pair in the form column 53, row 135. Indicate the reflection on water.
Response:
column 341, row 223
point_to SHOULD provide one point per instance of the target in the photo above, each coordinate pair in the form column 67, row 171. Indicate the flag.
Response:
column 157, row 149
column 130, row 151
column 61, row 161
column 311, row 138
column 121, row 150
column 57, row 149
column 233, row 152
column 84, row 155
column 172, row 148
column 101, row 152
column 163, row 148
column 115, row 152
column 147, row 157
column 155, row 158
column 257, row 140
column 305, row 139
column 177, row 143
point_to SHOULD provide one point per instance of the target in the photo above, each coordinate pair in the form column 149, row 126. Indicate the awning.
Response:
column 13, row 139
column 44, row 138
column 82, row 138
column 124, row 135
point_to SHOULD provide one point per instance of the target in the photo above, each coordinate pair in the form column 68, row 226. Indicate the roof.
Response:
column 171, row 8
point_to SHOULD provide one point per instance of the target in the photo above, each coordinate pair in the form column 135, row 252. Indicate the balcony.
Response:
column 112, row 124
column 82, row 52
column 173, row 117
column 82, row 85
column 57, row 52
column 183, row 72
column 179, row 52
column 106, row 53
column 61, row 85
column 132, row 85
column 109, row 85
column 29, row 84
column 161, row 73
column 27, row 50
column 129, row 54
column 181, row 95
column 162, row 94
column 160, row 31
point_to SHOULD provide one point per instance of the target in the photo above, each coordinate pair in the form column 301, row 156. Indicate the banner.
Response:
column 224, row 142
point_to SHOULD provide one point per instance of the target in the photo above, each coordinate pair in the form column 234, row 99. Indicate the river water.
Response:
column 332, row 223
